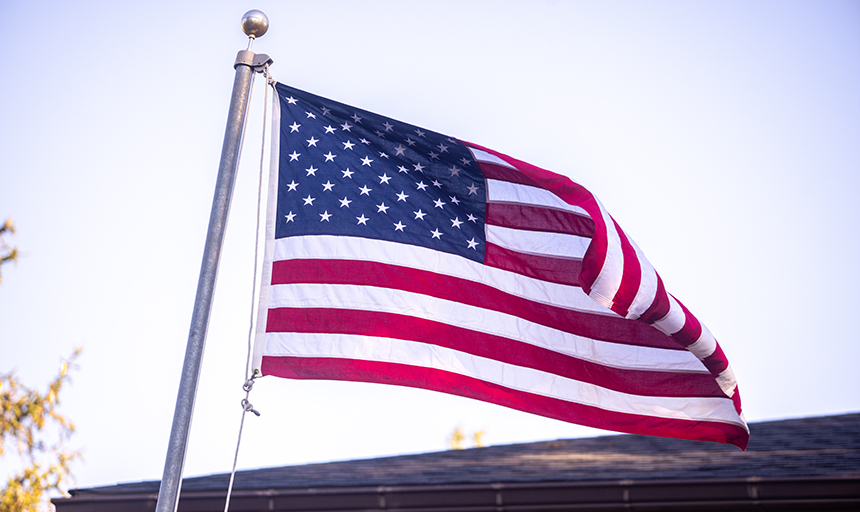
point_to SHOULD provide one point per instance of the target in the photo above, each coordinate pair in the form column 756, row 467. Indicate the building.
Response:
column 808, row 464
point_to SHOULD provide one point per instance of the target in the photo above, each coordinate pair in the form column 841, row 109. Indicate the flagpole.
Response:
column 254, row 24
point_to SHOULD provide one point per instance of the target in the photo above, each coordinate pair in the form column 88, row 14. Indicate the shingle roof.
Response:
column 806, row 447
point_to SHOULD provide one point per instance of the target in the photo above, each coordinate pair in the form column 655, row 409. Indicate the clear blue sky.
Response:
column 723, row 136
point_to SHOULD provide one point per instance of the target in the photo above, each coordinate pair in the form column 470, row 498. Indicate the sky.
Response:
column 724, row 137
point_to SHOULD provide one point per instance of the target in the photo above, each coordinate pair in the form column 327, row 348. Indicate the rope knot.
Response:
column 248, row 407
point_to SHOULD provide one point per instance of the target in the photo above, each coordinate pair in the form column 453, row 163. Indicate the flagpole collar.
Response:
column 255, row 23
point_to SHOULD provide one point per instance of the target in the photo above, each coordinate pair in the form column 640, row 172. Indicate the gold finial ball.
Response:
column 255, row 23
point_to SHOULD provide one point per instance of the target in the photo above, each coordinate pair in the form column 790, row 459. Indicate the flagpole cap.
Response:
column 255, row 23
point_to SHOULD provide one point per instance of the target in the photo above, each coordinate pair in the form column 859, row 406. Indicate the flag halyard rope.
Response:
column 249, row 379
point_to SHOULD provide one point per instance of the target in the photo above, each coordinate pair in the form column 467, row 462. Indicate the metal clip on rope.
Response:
column 246, row 405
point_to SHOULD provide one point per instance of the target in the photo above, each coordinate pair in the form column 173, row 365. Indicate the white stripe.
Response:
column 269, row 247
column 482, row 156
column 372, row 298
column 538, row 242
column 705, row 345
column 421, row 258
column 647, row 285
column 727, row 382
column 609, row 279
column 489, row 370
column 674, row 320
column 507, row 192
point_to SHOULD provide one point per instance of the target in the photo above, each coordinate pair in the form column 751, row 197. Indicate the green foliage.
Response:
column 31, row 424
column 7, row 252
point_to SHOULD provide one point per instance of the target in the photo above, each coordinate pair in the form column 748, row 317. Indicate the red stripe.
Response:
column 535, row 218
column 364, row 273
column 736, row 399
column 502, row 173
column 717, row 362
column 455, row 384
column 506, row 350
column 545, row 268
column 631, row 277
column 692, row 329
column 659, row 307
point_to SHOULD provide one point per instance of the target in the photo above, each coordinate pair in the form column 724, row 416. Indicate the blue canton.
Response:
column 345, row 171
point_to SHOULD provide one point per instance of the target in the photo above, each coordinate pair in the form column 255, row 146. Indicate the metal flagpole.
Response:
column 254, row 24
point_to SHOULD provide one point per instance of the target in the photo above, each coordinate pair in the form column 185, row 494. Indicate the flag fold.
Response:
column 398, row 255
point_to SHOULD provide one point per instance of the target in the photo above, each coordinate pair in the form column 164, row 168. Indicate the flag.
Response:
column 398, row 255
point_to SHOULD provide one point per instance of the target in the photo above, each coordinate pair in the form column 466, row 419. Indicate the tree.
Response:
column 7, row 252
column 30, row 422
column 456, row 441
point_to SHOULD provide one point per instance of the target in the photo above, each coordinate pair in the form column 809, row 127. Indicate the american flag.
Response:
column 398, row 255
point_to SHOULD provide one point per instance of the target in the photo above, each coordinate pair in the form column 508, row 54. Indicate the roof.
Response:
column 816, row 449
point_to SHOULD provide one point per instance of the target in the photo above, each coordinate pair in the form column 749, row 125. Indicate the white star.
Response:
column 328, row 185
column 442, row 148
column 454, row 170
column 312, row 171
column 294, row 127
column 365, row 191
column 472, row 243
column 402, row 196
column 465, row 161
column 290, row 216
column 438, row 203
column 437, row 234
column 329, row 129
column 455, row 200
column 382, row 154
column 309, row 200
column 366, row 161
column 433, row 156
column 326, row 111
column 419, row 215
column 347, row 173
column 400, row 168
column 311, row 115
column 363, row 219
column 356, row 118
column 473, row 189
column 381, row 208
column 388, row 126
column 312, row 142
column 345, row 126
column 399, row 226
column 294, row 156
column 399, row 149
column 379, row 134
column 329, row 157
column 364, row 141
column 472, row 218
column 384, row 179
column 456, row 222
column 418, row 166
column 409, row 142
column 419, row 132
column 291, row 100
column 348, row 145
column 437, row 184
column 344, row 202
column 421, row 185
column 292, row 185
column 325, row 216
